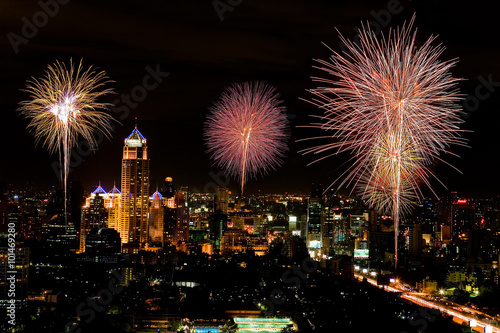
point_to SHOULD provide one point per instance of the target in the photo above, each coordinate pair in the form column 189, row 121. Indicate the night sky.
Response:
column 272, row 41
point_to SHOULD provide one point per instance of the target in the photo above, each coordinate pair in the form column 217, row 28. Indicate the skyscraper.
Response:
column 133, row 226
column 314, row 219
column 222, row 201
column 169, row 212
column 114, row 208
column 463, row 214
column 101, row 210
column 156, row 216
column 168, row 189
column 313, row 228
column 329, row 223
column 175, row 213
column 415, row 240
column 182, row 217
column 94, row 214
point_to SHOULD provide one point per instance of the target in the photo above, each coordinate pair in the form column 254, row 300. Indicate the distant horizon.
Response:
column 108, row 186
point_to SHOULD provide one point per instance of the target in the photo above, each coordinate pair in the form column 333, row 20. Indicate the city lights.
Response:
column 253, row 167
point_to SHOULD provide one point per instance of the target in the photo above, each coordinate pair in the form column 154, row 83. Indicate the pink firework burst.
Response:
column 246, row 131
column 395, row 106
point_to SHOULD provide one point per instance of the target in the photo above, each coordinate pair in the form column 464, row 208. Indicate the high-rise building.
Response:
column 415, row 240
column 101, row 210
column 169, row 212
column 182, row 217
column 133, row 226
column 463, row 217
column 114, row 208
column 103, row 243
column 217, row 225
column 330, row 222
column 222, row 199
column 168, row 189
column 313, row 228
column 156, row 219
column 62, row 240
column 358, row 224
column 94, row 214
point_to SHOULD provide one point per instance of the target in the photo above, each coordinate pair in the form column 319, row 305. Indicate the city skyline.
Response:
column 279, row 166
column 172, row 115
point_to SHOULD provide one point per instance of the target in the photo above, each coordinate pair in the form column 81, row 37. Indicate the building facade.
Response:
column 133, row 226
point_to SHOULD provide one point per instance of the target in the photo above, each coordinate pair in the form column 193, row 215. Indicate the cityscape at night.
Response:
column 249, row 166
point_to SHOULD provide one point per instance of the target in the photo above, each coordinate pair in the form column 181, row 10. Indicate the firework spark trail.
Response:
column 395, row 106
column 63, row 106
column 245, row 131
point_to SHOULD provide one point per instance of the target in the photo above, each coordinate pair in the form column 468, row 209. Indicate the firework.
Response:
column 63, row 106
column 395, row 106
column 245, row 131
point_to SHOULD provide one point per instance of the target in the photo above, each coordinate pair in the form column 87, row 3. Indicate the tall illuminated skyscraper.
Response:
column 156, row 217
column 133, row 225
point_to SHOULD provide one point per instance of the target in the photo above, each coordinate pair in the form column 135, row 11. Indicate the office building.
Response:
column 463, row 215
column 156, row 219
column 133, row 226
column 222, row 199
column 313, row 228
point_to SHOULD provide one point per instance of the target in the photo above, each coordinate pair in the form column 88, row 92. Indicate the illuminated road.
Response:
column 464, row 315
